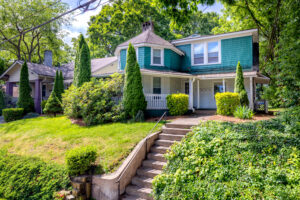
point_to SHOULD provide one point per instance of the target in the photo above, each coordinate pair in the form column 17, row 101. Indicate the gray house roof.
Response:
column 147, row 38
column 67, row 69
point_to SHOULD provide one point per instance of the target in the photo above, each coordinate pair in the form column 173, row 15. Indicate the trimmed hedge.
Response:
column 178, row 104
column 12, row 114
column 23, row 178
column 227, row 102
column 80, row 160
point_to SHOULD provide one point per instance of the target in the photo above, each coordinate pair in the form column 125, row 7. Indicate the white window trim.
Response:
column 137, row 54
column 206, row 53
column 161, row 54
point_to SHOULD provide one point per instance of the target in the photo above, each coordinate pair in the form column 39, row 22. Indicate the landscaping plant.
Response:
column 243, row 112
column 80, row 160
column 53, row 104
column 219, row 161
column 23, row 178
column 25, row 100
column 82, row 70
column 61, row 83
column 133, row 95
column 178, row 104
column 239, row 86
column 12, row 114
column 94, row 101
column 227, row 102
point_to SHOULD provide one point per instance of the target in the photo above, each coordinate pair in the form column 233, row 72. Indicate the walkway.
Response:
column 194, row 118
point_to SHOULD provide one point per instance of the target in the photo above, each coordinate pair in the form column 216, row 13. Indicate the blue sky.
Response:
column 80, row 21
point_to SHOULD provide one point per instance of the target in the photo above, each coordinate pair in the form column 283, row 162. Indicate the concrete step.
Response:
column 144, row 182
column 130, row 197
column 148, row 172
column 172, row 137
column 175, row 131
column 181, row 126
column 165, row 143
column 153, row 164
column 159, row 149
column 156, row 156
column 139, row 192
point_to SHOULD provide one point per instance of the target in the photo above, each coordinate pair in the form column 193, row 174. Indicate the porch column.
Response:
column 9, row 88
column 37, row 96
column 224, row 86
column 251, row 94
column 191, row 96
column 198, row 94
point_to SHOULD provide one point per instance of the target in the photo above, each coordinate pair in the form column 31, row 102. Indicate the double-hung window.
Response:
column 206, row 53
column 157, row 56
column 156, row 85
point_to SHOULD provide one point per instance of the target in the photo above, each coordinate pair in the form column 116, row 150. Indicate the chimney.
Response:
column 148, row 26
column 48, row 58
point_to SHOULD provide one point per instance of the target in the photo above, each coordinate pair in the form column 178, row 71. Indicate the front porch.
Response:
column 201, row 88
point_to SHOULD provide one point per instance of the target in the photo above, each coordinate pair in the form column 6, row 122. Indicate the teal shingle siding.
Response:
column 171, row 59
column 232, row 51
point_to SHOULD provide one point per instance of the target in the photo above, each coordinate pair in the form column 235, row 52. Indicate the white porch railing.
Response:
column 156, row 101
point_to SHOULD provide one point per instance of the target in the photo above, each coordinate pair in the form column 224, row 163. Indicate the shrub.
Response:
column 243, row 112
column 12, row 114
column 53, row 105
column 80, row 160
column 25, row 100
column 178, row 104
column 43, row 104
column 93, row 101
column 217, row 160
column 227, row 102
column 239, row 86
column 133, row 95
column 23, row 178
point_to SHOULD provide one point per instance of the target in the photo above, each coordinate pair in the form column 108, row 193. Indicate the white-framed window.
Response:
column 137, row 53
column 156, row 85
column 157, row 56
column 218, row 87
column 206, row 53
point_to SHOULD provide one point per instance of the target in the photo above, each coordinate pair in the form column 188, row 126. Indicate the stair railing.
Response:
column 146, row 141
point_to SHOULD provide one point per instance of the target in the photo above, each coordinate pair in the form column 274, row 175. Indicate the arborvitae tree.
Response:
column 82, row 71
column 53, row 105
column 56, row 86
column 61, row 82
column 2, row 101
column 239, row 86
column 25, row 100
column 133, row 95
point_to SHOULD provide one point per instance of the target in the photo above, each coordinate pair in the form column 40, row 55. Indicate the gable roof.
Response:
column 67, row 69
column 149, row 38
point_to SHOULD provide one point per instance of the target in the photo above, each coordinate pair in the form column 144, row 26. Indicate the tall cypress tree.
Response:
column 25, row 100
column 61, row 83
column 133, row 95
column 239, row 86
column 82, row 70
column 53, row 105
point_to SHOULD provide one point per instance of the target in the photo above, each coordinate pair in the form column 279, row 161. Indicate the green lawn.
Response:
column 49, row 138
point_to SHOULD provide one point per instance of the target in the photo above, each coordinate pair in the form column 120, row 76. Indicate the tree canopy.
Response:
column 17, row 17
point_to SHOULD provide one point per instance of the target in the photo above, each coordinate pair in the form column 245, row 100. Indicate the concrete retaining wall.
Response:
column 107, row 186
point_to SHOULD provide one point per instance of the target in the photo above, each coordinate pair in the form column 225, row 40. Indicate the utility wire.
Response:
column 85, row 6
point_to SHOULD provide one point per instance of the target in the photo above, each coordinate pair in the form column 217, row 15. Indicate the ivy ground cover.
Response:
column 218, row 160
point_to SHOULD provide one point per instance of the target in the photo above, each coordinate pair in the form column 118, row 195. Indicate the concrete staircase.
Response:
column 141, row 184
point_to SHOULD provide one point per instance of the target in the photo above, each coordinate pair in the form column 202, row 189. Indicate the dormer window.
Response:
column 157, row 57
column 206, row 53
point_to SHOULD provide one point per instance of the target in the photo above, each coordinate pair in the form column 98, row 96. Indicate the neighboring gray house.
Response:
column 41, row 76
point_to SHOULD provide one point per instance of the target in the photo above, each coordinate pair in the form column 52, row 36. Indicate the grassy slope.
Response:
column 49, row 138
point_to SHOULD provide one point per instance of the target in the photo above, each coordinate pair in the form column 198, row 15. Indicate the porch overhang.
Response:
column 168, row 73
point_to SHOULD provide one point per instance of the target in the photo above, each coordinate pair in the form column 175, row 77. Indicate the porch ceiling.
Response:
column 254, row 74
column 168, row 73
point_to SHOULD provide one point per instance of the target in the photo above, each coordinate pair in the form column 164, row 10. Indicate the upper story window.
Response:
column 157, row 56
column 206, row 53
